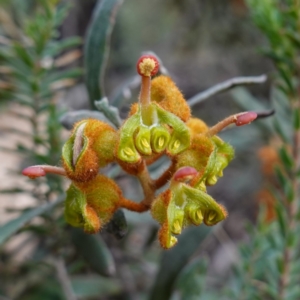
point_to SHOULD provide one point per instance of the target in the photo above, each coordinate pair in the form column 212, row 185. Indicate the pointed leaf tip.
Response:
column 34, row 172
column 245, row 118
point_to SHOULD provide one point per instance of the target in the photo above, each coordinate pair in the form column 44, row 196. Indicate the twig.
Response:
column 133, row 206
column 147, row 185
column 224, row 86
column 240, row 119
column 166, row 176
column 292, row 211
column 63, row 278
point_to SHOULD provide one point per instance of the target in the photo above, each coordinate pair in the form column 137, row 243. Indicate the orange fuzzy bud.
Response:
column 103, row 195
column 95, row 150
column 197, row 154
column 91, row 204
column 92, row 224
column 196, row 126
column 166, row 94
column 103, row 140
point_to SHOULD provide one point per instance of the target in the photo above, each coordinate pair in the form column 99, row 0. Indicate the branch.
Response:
column 240, row 119
column 147, row 185
column 133, row 206
column 166, row 176
column 224, row 86
column 63, row 278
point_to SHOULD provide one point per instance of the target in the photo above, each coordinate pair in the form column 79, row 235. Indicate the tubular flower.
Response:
column 156, row 124
column 183, row 205
column 160, row 123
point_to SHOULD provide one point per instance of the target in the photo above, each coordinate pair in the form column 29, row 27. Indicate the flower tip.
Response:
column 245, row 118
column 34, row 172
column 185, row 174
column 147, row 65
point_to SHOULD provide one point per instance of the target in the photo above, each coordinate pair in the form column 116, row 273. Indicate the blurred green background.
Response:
column 201, row 43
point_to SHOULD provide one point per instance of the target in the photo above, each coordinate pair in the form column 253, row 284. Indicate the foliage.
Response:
column 157, row 140
column 269, row 263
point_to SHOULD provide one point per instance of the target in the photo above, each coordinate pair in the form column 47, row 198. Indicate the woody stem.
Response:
column 239, row 119
column 147, row 185
column 166, row 176
column 133, row 206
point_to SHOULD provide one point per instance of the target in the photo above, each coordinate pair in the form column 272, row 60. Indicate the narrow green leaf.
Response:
column 97, row 46
column 280, row 264
column 287, row 78
column 246, row 100
column 296, row 119
column 23, row 54
column 285, row 184
column 286, row 158
column 55, row 48
column 294, row 36
column 280, row 131
column 281, row 220
column 293, row 292
column 14, row 225
column 70, row 118
column 111, row 112
column 94, row 251
column 61, row 13
column 292, row 239
column 68, row 74
column 173, row 261
column 281, row 177
column 192, row 279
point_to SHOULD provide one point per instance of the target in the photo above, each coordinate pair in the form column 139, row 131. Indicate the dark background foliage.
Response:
column 201, row 43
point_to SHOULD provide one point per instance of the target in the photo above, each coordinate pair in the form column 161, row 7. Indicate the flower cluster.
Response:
column 160, row 124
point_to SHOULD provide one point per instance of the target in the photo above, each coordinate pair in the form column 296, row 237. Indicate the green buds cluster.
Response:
column 182, row 206
column 187, row 203
column 167, row 133
column 159, row 124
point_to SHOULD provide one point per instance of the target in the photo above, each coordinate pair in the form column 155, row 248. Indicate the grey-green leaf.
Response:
column 173, row 261
column 110, row 112
column 14, row 225
column 94, row 286
column 94, row 251
column 70, row 118
column 97, row 46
